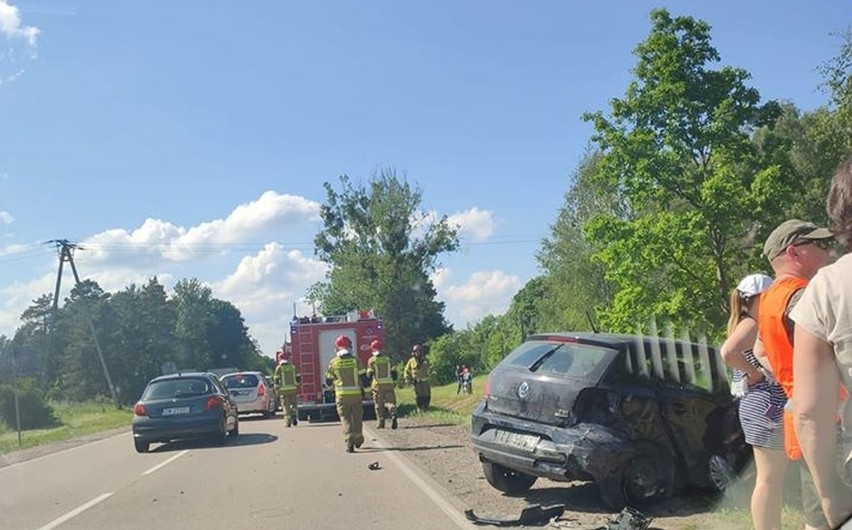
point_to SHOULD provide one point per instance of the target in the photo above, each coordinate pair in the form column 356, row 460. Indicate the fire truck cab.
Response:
column 312, row 345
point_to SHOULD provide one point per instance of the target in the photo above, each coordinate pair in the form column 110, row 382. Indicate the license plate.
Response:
column 175, row 410
column 526, row 442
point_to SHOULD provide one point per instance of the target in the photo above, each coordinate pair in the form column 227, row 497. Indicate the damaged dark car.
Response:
column 641, row 417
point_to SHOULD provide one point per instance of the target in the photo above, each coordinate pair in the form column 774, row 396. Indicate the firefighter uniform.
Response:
column 417, row 373
column 379, row 369
column 347, row 376
column 286, row 380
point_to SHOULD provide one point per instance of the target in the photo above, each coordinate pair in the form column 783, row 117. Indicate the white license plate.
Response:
column 526, row 442
column 175, row 410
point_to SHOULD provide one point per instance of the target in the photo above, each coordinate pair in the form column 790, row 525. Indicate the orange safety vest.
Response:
column 772, row 328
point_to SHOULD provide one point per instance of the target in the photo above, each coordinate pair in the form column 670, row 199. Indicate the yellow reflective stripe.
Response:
column 382, row 366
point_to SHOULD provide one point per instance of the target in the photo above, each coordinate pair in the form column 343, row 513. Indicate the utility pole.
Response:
column 66, row 249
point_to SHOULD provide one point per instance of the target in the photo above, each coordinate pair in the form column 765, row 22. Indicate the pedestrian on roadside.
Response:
column 348, row 378
column 459, row 378
column 796, row 250
column 762, row 402
column 467, row 380
column 417, row 374
column 822, row 361
column 384, row 376
column 286, row 380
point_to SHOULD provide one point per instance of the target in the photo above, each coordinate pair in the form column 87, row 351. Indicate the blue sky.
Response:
column 191, row 138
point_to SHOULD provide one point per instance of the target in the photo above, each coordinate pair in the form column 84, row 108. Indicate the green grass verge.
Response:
column 76, row 419
column 446, row 406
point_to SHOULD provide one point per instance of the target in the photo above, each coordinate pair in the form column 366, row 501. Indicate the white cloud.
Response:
column 484, row 293
column 6, row 218
column 157, row 240
column 474, row 223
column 10, row 25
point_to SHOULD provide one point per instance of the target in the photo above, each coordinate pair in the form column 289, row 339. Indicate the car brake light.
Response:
column 486, row 388
column 212, row 403
column 140, row 410
column 261, row 390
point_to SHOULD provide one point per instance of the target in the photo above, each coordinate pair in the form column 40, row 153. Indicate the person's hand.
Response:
column 756, row 377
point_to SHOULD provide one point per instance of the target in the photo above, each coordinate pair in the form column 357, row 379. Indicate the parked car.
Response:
column 251, row 392
column 184, row 405
column 639, row 416
column 273, row 393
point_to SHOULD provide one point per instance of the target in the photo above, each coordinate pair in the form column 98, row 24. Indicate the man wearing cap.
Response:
column 796, row 250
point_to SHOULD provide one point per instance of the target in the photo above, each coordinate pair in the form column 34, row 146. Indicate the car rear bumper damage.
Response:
column 557, row 453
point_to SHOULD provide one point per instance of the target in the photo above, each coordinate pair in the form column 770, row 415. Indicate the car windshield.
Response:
column 176, row 388
column 566, row 359
column 240, row 381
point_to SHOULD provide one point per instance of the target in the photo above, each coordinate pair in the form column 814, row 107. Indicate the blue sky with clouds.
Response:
column 192, row 138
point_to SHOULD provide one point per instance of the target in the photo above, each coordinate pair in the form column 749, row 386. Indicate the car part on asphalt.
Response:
column 531, row 515
column 629, row 519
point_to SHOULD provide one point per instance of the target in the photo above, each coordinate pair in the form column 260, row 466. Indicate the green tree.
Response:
column 145, row 336
column 193, row 305
column 573, row 285
column 679, row 148
column 381, row 248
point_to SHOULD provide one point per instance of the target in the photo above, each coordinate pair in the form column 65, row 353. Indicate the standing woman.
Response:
column 761, row 404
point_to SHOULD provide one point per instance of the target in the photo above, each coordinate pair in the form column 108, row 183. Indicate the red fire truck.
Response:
column 312, row 346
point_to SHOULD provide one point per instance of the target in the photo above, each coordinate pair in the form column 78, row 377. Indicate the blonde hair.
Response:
column 738, row 306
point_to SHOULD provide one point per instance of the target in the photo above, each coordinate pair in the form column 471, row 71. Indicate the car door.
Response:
column 692, row 407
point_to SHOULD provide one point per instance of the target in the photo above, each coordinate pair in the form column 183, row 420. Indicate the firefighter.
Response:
column 348, row 378
column 417, row 374
column 379, row 369
column 286, row 380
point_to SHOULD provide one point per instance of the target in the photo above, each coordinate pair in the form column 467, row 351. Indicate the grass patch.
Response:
column 446, row 406
column 76, row 419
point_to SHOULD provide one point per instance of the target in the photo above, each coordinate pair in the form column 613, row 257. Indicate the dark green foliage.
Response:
column 381, row 248
column 34, row 411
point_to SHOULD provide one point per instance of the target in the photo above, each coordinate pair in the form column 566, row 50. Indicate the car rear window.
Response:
column 565, row 359
column 176, row 388
column 240, row 381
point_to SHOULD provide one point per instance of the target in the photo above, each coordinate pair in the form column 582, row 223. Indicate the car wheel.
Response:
column 641, row 481
column 507, row 480
column 141, row 445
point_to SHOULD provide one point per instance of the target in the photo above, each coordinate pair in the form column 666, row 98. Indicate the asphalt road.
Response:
column 268, row 477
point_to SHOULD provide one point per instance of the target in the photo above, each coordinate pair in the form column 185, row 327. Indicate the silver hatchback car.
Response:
column 251, row 393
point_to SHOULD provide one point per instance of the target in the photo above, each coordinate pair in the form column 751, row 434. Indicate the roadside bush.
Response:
column 34, row 410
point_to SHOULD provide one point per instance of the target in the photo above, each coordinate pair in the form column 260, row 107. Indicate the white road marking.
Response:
column 167, row 462
column 76, row 511
column 412, row 475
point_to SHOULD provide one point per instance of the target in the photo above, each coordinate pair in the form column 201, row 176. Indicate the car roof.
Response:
column 251, row 372
column 607, row 339
column 181, row 375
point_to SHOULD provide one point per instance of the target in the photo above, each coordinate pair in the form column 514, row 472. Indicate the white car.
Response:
column 251, row 393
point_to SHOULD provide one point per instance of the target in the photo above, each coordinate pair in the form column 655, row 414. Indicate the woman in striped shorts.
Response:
column 761, row 402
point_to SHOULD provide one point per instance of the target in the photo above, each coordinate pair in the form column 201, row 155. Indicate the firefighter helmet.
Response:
column 376, row 345
column 343, row 342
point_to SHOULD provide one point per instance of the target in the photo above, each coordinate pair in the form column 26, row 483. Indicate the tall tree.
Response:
column 382, row 248
column 679, row 147
column 574, row 284
column 193, row 305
